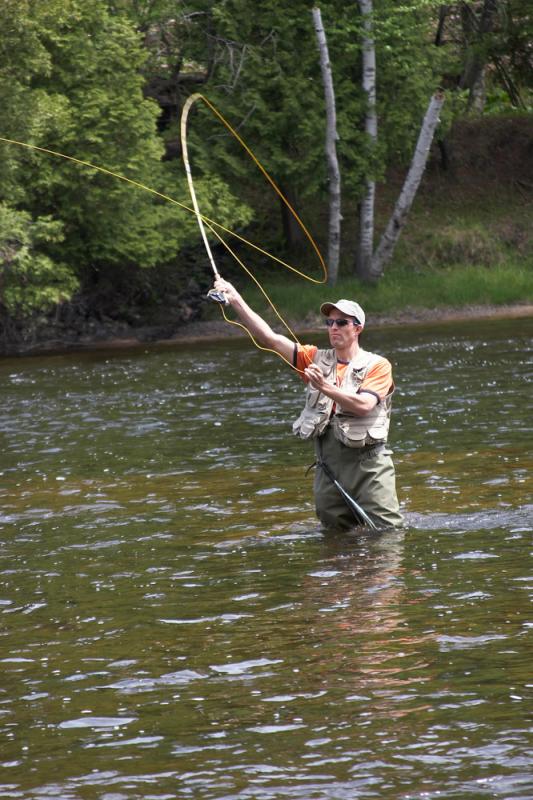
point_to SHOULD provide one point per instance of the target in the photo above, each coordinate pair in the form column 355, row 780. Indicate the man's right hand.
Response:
column 227, row 288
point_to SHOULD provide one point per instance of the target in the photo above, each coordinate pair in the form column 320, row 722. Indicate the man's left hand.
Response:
column 316, row 378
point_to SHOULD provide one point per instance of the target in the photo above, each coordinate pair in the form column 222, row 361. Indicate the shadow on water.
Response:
column 175, row 624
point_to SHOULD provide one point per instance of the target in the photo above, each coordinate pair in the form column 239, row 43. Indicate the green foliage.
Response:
column 29, row 279
column 94, row 68
column 410, row 69
column 72, row 82
column 23, row 57
column 508, row 51
column 468, row 240
column 267, row 80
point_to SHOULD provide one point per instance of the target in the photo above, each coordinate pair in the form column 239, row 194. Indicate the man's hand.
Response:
column 229, row 291
column 358, row 404
column 316, row 378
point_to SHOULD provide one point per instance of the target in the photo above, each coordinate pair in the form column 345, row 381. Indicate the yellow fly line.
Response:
column 205, row 222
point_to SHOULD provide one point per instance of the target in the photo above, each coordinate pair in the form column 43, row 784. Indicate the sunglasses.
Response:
column 340, row 323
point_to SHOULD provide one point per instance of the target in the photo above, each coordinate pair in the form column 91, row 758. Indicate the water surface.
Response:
column 174, row 624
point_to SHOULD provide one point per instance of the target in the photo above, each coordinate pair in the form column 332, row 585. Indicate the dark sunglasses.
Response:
column 340, row 323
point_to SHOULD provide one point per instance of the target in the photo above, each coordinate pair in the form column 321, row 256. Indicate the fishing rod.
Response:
column 201, row 219
column 213, row 294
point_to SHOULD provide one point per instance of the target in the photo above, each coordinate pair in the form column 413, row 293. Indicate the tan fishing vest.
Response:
column 349, row 429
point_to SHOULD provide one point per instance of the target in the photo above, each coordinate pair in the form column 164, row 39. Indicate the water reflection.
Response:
column 366, row 646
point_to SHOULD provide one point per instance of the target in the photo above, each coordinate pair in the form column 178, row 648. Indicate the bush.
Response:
column 29, row 279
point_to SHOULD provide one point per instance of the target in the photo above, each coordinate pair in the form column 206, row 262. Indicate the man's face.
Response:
column 341, row 336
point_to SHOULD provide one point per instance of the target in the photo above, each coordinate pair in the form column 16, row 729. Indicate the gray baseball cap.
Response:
column 348, row 307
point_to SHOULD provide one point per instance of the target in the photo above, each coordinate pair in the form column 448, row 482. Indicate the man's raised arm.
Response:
column 257, row 326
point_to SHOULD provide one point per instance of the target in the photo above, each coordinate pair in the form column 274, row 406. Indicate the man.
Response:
column 347, row 412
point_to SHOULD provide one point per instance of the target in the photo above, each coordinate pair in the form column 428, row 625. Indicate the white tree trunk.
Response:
column 388, row 241
column 335, row 217
column 366, row 218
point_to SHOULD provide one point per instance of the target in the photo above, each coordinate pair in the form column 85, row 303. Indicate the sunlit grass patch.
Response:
column 402, row 288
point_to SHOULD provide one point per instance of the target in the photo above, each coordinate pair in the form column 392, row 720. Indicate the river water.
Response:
column 174, row 624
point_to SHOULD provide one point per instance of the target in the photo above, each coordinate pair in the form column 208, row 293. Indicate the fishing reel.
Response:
column 217, row 297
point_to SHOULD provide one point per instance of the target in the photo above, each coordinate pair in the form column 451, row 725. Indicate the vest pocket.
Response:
column 349, row 430
column 379, row 430
column 309, row 424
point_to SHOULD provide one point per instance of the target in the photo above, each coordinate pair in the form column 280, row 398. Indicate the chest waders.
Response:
column 359, row 513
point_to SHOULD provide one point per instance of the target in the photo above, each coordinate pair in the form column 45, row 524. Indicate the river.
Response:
column 174, row 623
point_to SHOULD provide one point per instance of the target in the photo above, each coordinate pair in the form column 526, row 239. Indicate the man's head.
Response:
column 349, row 309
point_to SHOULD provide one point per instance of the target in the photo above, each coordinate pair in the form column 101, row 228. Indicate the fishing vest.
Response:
column 351, row 430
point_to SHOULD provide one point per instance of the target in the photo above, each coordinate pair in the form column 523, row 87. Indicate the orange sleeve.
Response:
column 378, row 379
column 304, row 356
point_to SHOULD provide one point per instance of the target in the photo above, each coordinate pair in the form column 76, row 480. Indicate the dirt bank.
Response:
column 214, row 330
column 200, row 331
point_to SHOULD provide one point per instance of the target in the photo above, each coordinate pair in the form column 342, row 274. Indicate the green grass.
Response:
column 401, row 289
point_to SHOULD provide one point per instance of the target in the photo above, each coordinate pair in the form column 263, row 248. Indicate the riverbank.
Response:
column 221, row 329
column 213, row 330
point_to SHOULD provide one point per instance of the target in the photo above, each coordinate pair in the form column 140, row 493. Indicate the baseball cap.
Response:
column 348, row 307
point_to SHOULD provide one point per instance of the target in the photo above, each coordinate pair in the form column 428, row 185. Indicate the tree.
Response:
column 477, row 31
column 369, row 264
column 403, row 205
column 334, row 228
column 490, row 46
column 366, row 213
column 106, row 81
column 257, row 63
column 29, row 278
column 77, row 76
column 273, row 97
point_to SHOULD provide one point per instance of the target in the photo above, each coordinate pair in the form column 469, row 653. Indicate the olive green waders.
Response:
column 366, row 473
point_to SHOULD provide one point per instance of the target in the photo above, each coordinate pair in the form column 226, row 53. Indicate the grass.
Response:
column 402, row 289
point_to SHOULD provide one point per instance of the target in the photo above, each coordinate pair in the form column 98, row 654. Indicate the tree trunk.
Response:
column 439, row 35
column 335, row 217
column 403, row 205
column 511, row 87
column 366, row 217
column 476, row 32
column 292, row 232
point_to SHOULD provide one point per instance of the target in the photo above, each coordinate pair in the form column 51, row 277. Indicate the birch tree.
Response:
column 403, row 205
column 366, row 214
column 335, row 217
column 369, row 265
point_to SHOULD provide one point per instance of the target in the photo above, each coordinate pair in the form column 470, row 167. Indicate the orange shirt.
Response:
column 378, row 380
